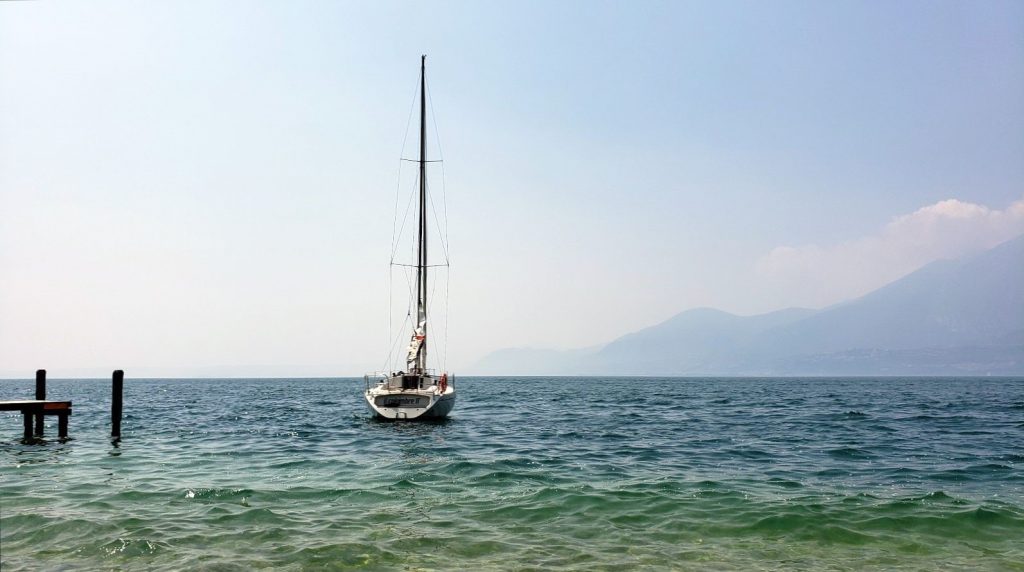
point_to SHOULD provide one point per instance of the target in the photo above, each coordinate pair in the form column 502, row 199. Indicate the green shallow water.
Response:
column 559, row 474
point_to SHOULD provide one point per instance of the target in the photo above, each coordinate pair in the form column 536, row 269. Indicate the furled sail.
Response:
column 416, row 345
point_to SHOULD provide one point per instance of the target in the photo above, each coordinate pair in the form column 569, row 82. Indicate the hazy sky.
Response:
column 208, row 188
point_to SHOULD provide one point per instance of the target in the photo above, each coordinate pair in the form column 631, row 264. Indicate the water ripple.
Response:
column 739, row 474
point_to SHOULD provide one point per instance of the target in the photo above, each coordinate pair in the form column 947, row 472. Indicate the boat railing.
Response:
column 375, row 378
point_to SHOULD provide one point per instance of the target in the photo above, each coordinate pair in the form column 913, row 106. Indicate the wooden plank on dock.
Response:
column 37, row 408
column 47, row 407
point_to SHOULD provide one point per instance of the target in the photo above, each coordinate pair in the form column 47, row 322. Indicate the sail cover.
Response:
column 416, row 345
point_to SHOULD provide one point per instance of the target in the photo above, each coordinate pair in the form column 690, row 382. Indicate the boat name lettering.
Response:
column 401, row 402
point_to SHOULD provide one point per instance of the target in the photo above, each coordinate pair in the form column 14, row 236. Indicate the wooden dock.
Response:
column 36, row 408
column 39, row 407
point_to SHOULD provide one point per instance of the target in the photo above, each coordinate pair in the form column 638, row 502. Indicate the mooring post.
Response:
column 62, row 426
column 116, row 403
column 41, row 396
column 28, row 424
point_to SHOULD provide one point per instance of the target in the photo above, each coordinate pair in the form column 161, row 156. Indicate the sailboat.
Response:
column 417, row 392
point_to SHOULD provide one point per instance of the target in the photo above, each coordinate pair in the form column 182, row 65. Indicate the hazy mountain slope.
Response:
column 953, row 317
column 691, row 342
column 960, row 360
column 975, row 302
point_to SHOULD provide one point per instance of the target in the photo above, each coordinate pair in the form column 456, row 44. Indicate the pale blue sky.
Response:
column 201, row 184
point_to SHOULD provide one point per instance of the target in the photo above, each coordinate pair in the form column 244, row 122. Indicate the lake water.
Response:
column 536, row 473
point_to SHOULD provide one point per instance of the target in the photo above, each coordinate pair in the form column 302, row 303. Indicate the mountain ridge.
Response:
column 959, row 316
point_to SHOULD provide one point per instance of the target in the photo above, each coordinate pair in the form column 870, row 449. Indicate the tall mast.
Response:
column 421, row 263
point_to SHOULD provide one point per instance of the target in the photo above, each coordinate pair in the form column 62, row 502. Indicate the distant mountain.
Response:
column 695, row 341
column 956, row 317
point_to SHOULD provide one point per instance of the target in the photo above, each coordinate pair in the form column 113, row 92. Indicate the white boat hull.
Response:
column 409, row 404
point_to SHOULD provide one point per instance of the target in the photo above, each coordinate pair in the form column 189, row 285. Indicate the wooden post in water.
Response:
column 116, row 404
column 41, row 396
column 28, row 425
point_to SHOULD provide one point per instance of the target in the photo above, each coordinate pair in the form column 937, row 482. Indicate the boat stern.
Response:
column 399, row 397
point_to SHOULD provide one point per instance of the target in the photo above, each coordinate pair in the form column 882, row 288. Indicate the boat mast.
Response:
column 421, row 263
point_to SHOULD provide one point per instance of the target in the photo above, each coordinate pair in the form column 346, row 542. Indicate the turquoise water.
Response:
column 560, row 474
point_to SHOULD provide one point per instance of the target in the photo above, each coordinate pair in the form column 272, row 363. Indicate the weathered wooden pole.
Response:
column 116, row 403
column 28, row 424
column 62, row 426
column 41, row 396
